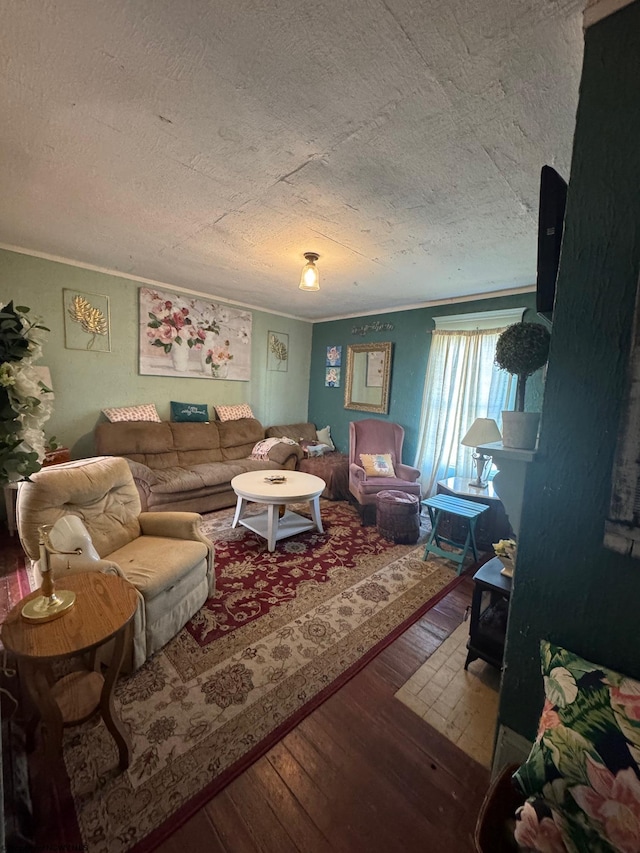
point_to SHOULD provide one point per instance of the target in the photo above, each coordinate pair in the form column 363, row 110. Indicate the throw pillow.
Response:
column 143, row 412
column 189, row 412
column 584, row 765
column 324, row 437
column 377, row 464
column 234, row 413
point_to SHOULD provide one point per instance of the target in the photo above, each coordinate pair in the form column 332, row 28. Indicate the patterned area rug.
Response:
column 283, row 631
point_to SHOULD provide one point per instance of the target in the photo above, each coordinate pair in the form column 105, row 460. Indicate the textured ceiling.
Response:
column 210, row 144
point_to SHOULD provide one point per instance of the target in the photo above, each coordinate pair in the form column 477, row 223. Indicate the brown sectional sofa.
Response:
column 189, row 466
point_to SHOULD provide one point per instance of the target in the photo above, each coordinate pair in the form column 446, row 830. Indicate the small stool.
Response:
column 439, row 504
column 398, row 516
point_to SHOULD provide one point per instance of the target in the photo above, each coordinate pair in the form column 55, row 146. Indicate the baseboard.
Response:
column 511, row 748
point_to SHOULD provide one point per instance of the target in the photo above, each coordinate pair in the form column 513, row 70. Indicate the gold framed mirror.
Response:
column 368, row 374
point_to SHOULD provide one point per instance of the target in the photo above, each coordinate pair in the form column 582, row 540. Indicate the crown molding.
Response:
column 598, row 9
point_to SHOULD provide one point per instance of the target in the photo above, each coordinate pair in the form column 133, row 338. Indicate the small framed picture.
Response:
column 332, row 377
column 87, row 325
column 334, row 356
column 277, row 351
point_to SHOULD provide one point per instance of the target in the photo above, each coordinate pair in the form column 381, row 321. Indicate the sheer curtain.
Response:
column 462, row 384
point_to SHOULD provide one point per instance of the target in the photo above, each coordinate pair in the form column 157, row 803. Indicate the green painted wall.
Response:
column 86, row 382
column 411, row 338
column 568, row 587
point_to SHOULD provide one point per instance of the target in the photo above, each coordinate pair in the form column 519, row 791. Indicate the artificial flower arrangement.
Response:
column 24, row 404
column 506, row 550
column 171, row 324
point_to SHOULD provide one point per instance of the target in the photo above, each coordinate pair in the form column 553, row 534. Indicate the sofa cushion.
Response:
column 135, row 438
column 100, row 491
column 153, row 563
column 296, row 432
column 196, row 443
column 237, row 438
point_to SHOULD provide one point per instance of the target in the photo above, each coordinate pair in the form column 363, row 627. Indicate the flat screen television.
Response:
column 553, row 199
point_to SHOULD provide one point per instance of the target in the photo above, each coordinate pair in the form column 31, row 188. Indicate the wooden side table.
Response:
column 104, row 608
column 492, row 526
column 468, row 511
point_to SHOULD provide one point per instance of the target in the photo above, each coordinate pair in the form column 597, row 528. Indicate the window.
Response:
column 462, row 384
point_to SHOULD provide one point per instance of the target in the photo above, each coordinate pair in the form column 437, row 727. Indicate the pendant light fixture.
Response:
column 310, row 278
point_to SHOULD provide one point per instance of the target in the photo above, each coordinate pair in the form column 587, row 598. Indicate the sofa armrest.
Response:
column 357, row 472
column 407, row 472
column 144, row 478
column 286, row 455
column 142, row 473
column 176, row 525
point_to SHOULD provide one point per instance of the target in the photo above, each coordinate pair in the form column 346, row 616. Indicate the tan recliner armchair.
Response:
column 163, row 554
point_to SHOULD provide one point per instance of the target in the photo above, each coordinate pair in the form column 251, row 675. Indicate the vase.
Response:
column 209, row 342
column 219, row 369
column 520, row 429
column 180, row 358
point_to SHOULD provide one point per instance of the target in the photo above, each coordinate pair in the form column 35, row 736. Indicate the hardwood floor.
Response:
column 360, row 773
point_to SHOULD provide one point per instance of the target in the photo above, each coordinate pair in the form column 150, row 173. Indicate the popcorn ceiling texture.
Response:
column 209, row 145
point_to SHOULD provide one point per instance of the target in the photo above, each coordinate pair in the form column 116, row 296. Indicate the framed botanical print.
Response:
column 87, row 325
column 277, row 351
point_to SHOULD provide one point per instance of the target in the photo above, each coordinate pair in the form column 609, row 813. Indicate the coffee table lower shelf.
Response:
column 289, row 525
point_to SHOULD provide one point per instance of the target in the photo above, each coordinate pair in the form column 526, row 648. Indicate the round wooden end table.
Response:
column 103, row 610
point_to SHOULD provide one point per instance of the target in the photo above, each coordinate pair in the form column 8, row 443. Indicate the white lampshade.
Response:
column 482, row 431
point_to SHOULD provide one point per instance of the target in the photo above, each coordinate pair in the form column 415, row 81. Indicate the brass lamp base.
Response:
column 482, row 464
column 44, row 608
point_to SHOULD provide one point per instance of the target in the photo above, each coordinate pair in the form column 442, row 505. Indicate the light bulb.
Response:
column 310, row 279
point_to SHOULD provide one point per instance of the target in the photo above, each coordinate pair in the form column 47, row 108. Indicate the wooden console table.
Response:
column 104, row 608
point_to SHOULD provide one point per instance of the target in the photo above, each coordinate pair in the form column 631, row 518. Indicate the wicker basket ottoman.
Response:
column 398, row 516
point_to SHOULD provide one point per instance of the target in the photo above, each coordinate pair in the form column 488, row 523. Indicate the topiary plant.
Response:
column 521, row 350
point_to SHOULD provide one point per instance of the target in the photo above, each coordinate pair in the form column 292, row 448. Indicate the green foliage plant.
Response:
column 522, row 349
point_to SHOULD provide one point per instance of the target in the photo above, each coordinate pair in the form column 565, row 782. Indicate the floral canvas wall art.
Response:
column 332, row 377
column 184, row 336
column 334, row 356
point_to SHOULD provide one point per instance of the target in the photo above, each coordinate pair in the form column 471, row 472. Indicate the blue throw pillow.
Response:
column 189, row 411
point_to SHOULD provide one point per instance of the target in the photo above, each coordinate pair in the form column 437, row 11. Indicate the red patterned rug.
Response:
column 250, row 581
column 282, row 633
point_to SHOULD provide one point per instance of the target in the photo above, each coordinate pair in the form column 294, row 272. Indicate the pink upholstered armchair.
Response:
column 372, row 436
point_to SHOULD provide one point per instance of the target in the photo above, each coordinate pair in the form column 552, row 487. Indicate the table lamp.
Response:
column 68, row 537
column 481, row 431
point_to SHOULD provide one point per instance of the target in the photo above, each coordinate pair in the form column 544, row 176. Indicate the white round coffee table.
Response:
column 254, row 487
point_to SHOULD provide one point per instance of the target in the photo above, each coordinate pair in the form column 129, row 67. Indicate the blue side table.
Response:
column 467, row 510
